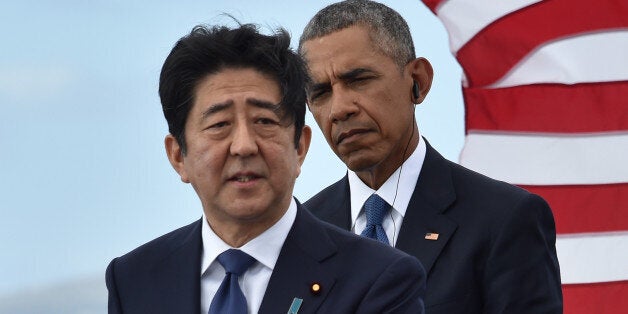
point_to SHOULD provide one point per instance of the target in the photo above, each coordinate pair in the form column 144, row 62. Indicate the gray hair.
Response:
column 388, row 30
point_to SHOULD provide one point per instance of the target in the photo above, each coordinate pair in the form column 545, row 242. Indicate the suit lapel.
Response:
column 339, row 211
column 433, row 194
column 177, row 276
column 299, row 267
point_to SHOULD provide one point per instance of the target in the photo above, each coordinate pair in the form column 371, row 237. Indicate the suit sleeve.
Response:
column 114, row 301
column 400, row 288
column 522, row 273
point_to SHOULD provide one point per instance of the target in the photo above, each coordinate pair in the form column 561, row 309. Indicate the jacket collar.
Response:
column 299, row 266
column 432, row 196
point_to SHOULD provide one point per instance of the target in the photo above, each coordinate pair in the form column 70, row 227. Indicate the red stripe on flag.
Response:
column 586, row 208
column 557, row 108
column 494, row 51
column 433, row 4
column 598, row 298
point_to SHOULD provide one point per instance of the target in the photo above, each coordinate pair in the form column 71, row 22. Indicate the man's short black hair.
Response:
column 209, row 50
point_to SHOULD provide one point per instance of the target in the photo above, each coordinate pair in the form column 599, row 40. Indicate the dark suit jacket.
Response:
column 357, row 275
column 495, row 251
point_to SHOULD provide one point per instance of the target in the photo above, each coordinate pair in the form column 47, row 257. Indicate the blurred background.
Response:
column 84, row 175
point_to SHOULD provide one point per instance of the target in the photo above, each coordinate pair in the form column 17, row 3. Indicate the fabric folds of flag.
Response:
column 544, row 86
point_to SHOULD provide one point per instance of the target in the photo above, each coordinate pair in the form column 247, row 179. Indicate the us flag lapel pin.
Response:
column 431, row 236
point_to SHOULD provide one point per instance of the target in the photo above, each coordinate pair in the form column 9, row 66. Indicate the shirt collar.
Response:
column 264, row 248
column 406, row 176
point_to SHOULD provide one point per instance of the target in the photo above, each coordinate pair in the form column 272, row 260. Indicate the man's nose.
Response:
column 343, row 105
column 244, row 141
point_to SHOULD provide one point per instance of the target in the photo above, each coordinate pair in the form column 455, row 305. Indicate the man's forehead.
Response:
column 228, row 86
column 326, row 55
column 348, row 35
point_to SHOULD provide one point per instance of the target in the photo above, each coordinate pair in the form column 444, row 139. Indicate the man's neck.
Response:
column 238, row 233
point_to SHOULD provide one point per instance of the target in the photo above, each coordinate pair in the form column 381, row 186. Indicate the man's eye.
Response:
column 266, row 121
column 360, row 79
column 316, row 95
column 218, row 125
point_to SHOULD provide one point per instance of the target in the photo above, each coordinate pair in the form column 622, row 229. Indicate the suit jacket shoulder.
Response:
column 356, row 275
column 492, row 236
column 333, row 204
column 161, row 276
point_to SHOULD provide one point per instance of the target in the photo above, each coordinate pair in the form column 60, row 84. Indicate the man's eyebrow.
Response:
column 315, row 87
column 264, row 104
column 345, row 76
column 213, row 109
column 353, row 73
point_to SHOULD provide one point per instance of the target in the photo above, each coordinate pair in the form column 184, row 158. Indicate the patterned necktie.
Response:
column 229, row 297
column 375, row 208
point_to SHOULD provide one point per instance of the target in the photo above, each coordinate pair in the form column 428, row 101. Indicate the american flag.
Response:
column 546, row 107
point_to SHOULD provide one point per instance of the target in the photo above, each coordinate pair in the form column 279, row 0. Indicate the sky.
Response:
column 85, row 177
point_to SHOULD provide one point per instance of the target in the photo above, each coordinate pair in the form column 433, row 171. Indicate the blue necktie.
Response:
column 375, row 209
column 229, row 297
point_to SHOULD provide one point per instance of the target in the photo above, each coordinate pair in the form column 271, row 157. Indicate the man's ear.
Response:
column 422, row 73
column 304, row 146
column 175, row 156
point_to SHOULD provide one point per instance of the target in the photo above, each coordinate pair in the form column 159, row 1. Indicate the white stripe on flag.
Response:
column 534, row 159
column 463, row 18
column 593, row 257
column 573, row 60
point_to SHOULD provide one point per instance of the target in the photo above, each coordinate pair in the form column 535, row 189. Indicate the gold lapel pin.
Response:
column 431, row 236
column 315, row 288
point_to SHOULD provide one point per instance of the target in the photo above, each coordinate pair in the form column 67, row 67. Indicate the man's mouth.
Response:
column 244, row 177
column 350, row 133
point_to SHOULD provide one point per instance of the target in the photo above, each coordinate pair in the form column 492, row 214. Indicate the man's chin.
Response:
column 358, row 163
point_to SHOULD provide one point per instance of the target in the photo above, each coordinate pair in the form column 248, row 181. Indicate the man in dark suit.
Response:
column 234, row 100
column 487, row 246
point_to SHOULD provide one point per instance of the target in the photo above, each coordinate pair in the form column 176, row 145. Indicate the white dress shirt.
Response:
column 264, row 248
column 396, row 191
